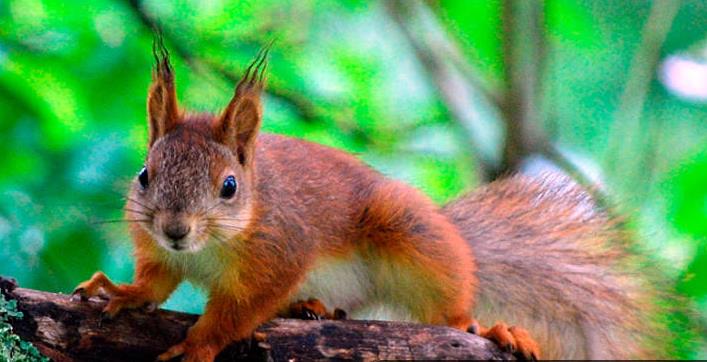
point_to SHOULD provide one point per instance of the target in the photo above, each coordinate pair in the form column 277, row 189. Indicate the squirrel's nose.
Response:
column 176, row 231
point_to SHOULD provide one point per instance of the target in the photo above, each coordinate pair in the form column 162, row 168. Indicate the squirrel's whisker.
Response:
column 121, row 220
column 140, row 204
column 212, row 207
column 223, row 239
column 227, row 228
column 217, row 237
column 221, row 225
column 148, row 214
column 226, row 219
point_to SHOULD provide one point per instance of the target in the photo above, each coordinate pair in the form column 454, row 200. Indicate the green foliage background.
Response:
column 74, row 75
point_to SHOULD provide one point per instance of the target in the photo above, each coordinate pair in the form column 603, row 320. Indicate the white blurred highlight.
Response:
column 685, row 77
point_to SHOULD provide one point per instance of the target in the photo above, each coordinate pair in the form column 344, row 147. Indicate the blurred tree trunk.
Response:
column 524, row 54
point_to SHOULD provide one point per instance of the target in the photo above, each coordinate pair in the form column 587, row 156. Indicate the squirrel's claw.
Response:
column 474, row 328
column 80, row 293
column 340, row 314
column 313, row 309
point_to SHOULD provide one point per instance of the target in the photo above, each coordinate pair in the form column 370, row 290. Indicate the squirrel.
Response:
column 269, row 225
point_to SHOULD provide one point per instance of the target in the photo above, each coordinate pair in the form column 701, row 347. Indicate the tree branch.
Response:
column 70, row 330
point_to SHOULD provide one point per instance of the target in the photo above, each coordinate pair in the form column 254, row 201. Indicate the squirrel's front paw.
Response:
column 93, row 287
column 513, row 339
column 191, row 352
column 312, row 309
column 119, row 296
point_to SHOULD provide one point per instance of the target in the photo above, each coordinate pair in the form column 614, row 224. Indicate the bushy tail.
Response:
column 551, row 261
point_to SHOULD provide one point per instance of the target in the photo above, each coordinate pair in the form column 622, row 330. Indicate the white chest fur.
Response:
column 338, row 283
column 203, row 268
column 348, row 284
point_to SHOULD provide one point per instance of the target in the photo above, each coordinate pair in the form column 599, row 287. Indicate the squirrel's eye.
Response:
column 229, row 187
column 142, row 177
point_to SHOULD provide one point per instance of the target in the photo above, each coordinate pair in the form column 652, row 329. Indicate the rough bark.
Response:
column 66, row 329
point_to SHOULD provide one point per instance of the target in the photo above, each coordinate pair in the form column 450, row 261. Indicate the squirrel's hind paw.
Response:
column 513, row 339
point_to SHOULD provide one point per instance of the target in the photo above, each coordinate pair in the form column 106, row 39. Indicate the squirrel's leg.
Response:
column 413, row 237
column 153, row 284
column 421, row 262
column 222, row 320
column 244, row 298
column 513, row 339
column 227, row 319
column 311, row 309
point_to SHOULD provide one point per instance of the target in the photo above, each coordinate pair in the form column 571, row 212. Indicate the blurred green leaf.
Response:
column 688, row 197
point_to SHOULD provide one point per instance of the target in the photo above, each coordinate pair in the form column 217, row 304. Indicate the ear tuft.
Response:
column 238, row 125
column 255, row 73
column 163, row 68
column 162, row 111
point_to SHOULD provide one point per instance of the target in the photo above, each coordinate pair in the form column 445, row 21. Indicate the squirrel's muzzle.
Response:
column 176, row 231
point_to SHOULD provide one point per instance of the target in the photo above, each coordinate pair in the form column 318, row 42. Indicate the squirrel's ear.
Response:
column 238, row 125
column 162, row 112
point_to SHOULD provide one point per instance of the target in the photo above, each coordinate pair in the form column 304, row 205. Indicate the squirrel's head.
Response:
column 196, row 185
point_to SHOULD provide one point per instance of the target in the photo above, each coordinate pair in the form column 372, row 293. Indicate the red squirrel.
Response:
column 265, row 223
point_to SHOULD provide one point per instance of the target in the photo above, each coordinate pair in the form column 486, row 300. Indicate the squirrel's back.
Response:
column 298, row 182
column 550, row 260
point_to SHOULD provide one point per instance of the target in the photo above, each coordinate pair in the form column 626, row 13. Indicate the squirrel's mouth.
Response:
column 176, row 245
column 186, row 245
